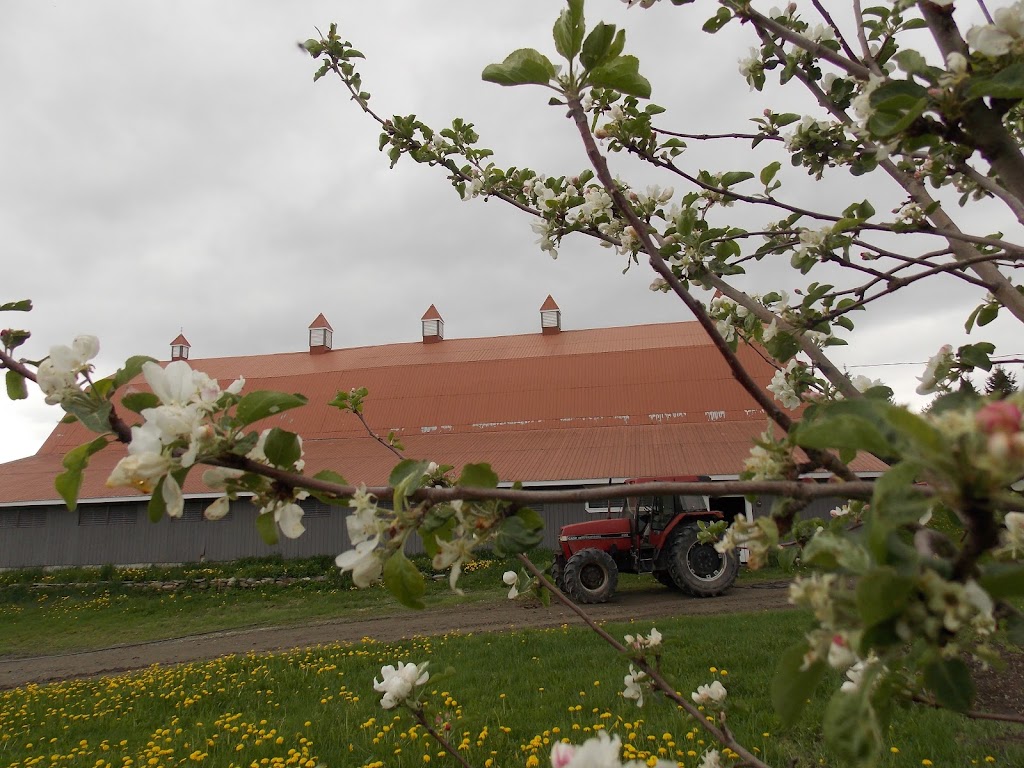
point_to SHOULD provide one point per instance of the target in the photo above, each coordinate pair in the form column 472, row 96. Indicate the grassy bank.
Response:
column 104, row 607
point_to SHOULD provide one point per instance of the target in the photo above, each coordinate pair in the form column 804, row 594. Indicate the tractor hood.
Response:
column 613, row 526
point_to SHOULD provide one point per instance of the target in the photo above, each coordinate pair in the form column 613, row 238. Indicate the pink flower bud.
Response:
column 999, row 416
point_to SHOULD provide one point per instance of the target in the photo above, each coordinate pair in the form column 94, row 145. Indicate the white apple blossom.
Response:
column 173, row 497
column 956, row 63
column 746, row 65
column 600, row 752
column 288, row 517
column 936, row 371
column 711, row 759
column 511, row 579
column 139, row 469
column 398, row 683
column 781, row 386
column 863, row 383
column 855, row 674
column 452, row 554
column 714, row 693
column 365, row 562
column 218, row 509
column 562, row 754
column 989, row 40
column 1013, row 536
column 58, row 374
column 840, row 654
column 634, row 685
column 861, row 104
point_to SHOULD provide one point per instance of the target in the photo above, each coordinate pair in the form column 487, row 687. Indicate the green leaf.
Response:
column 1003, row 580
column 851, row 725
column 330, row 476
column 735, row 177
column 977, row 355
column 597, row 46
column 523, row 67
column 132, row 367
column 916, row 431
column 844, row 431
column 830, row 551
column 769, row 171
column 405, row 478
column 404, row 580
column 1007, row 84
column 282, row 448
column 950, row 681
column 157, row 507
column 137, row 402
column 478, row 476
column 793, row 684
column 69, row 482
column 25, row 305
column 94, row 414
column 882, row 594
column 514, row 537
column 436, row 525
column 260, row 405
column 719, row 20
column 267, row 528
column 531, row 519
column 16, row 389
column 569, row 29
column 623, row 75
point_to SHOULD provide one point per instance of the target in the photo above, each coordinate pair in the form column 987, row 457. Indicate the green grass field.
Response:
column 508, row 698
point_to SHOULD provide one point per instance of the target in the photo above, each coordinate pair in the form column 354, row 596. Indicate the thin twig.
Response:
column 972, row 713
column 422, row 720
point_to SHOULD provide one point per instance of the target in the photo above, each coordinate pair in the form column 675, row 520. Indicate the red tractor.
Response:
column 657, row 535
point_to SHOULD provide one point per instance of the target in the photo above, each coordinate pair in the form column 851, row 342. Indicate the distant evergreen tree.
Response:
column 1000, row 382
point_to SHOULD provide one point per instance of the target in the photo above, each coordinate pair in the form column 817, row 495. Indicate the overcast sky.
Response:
column 172, row 167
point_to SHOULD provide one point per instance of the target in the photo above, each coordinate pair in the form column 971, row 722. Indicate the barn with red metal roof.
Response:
column 554, row 408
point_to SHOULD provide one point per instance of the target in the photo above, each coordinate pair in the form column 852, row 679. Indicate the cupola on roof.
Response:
column 180, row 348
column 320, row 335
column 433, row 325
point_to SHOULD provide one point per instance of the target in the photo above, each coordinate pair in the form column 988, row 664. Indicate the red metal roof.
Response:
column 431, row 314
column 613, row 402
column 181, row 340
column 549, row 304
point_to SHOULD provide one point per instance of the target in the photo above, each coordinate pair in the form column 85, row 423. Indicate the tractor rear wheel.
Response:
column 698, row 568
column 590, row 576
column 558, row 571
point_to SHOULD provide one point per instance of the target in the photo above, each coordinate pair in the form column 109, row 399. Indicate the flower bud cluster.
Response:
column 175, row 433
column 758, row 537
column 59, row 374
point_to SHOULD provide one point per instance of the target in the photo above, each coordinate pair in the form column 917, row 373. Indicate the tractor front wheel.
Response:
column 590, row 576
column 698, row 568
column 558, row 571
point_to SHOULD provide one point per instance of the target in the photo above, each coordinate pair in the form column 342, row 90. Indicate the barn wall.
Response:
column 121, row 534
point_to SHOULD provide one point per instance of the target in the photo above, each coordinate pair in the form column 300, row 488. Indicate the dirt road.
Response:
column 647, row 604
